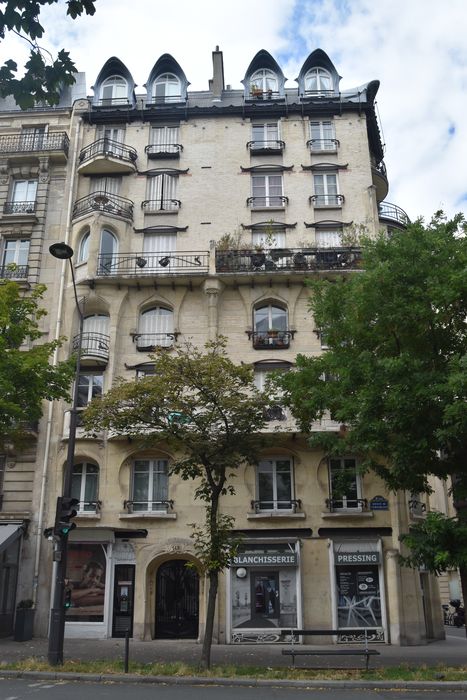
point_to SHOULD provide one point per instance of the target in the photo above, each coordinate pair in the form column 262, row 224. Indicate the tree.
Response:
column 26, row 377
column 44, row 76
column 208, row 410
column 395, row 373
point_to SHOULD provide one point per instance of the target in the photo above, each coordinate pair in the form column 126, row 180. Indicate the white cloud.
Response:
column 416, row 48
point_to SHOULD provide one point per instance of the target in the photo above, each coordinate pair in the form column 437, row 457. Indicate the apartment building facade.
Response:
column 193, row 214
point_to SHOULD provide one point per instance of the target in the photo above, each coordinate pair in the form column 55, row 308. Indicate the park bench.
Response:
column 296, row 650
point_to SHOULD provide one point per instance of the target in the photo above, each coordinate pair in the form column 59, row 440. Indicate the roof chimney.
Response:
column 216, row 85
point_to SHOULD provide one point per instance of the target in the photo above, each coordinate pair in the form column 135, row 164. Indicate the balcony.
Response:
column 94, row 347
column 271, row 202
column 264, row 148
column 287, row 259
column 358, row 505
column 274, row 413
column 163, row 100
column 113, row 103
column 56, row 145
column 148, row 342
column 168, row 206
column 271, row 340
column 392, row 215
column 163, row 150
column 152, row 264
column 148, row 509
column 259, row 95
column 106, row 203
column 280, row 507
column 323, row 145
column 89, row 509
column 327, row 201
column 14, row 272
column 380, row 180
column 106, row 156
column 18, row 209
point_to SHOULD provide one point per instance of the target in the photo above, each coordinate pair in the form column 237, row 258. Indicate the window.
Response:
column 264, row 80
column 145, row 370
column 267, row 191
column 83, row 249
column 268, row 239
column 22, row 198
column 274, row 484
column 89, row 387
column 328, row 239
column 110, row 138
column 167, row 88
column 326, row 190
column 345, row 485
column 107, row 185
column 274, row 411
column 158, row 247
column 162, row 192
column 114, row 90
column 322, row 137
column 270, row 327
column 32, row 138
column 165, row 139
column 150, row 485
column 16, row 252
column 108, row 250
column 84, row 486
column 265, row 136
column 96, row 336
column 155, row 328
column 318, row 80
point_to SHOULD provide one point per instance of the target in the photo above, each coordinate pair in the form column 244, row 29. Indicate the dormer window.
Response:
column 167, row 88
column 318, row 81
column 114, row 90
column 263, row 81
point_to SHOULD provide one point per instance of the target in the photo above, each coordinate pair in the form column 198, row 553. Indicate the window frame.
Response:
column 166, row 79
column 270, row 201
column 357, row 487
column 324, row 135
column 270, row 136
column 30, row 183
column 17, row 252
column 265, row 80
column 155, row 311
column 86, row 505
column 326, row 198
column 274, row 501
column 118, row 82
column 318, row 74
column 159, row 185
column 153, row 505
column 83, row 247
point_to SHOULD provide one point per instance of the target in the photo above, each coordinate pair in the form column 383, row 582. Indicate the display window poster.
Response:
column 358, row 596
column 85, row 579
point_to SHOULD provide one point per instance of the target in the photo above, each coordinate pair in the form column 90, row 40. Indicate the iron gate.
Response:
column 177, row 599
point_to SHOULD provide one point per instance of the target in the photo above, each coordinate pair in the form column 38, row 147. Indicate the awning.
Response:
column 9, row 533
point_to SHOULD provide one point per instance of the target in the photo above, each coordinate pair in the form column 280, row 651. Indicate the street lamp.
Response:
column 62, row 251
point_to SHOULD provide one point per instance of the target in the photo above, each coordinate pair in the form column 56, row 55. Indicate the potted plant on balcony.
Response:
column 24, row 620
column 256, row 91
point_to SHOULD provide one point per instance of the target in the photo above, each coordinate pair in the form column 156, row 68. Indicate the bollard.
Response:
column 127, row 649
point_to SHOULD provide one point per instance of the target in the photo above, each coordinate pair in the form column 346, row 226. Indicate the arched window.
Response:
column 83, row 250
column 85, row 486
column 318, row 80
column 264, row 80
column 108, row 251
column 270, row 327
column 167, row 88
column 114, row 90
column 155, row 329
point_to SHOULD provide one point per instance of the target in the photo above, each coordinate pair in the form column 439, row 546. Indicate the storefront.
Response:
column 264, row 593
column 358, row 585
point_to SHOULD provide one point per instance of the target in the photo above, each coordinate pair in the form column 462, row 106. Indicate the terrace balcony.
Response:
column 392, row 215
column 106, row 156
column 21, row 146
column 146, row 265
column 287, row 259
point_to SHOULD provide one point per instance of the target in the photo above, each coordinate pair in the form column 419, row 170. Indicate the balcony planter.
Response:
column 24, row 621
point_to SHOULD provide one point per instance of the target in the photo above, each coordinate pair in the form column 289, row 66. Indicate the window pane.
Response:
column 84, row 383
column 278, row 318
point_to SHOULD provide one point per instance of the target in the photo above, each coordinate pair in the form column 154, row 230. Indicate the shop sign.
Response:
column 379, row 503
column 263, row 559
column 356, row 558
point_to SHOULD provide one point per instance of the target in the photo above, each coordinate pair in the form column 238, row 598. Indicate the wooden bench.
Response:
column 296, row 650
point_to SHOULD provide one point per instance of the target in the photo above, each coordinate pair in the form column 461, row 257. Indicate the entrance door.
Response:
column 177, row 598
column 124, row 586
column 265, row 599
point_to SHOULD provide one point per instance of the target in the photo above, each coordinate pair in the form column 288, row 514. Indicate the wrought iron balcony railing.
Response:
column 19, row 208
column 108, row 147
column 163, row 150
column 165, row 99
column 284, row 259
column 88, row 507
column 393, row 213
column 273, row 201
column 150, row 205
column 271, row 340
column 259, row 94
column 292, row 505
column 93, row 345
column 27, row 143
column 356, row 504
column 144, row 264
column 113, row 102
column 323, row 144
column 327, row 200
column 14, row 272
column 105, row 202
column 319, row 93
column 146, row 342
column 148, row 506
column 268, row 146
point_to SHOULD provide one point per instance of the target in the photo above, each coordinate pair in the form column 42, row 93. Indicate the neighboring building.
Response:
column 160, row 178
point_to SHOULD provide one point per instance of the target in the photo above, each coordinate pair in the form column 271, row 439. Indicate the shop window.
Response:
column 167, row 88
column 86, row 571
column 155, row 328
column 274, row 484
column 150, row 483
column 84, row 486
column 358, row 597
column 345, row 485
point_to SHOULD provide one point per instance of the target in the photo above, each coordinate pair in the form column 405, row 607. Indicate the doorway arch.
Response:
column 177, row 601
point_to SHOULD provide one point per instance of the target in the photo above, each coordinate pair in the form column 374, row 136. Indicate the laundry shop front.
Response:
column 264, row 591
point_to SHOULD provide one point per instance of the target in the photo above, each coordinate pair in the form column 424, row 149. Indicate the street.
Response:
column 74, row 690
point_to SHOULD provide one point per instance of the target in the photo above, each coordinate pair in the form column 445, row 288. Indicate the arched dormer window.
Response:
column 318, row 80
column 167, row 88
column 155, row 329
column 114, row 91
column 270, row 323
column 263, row 81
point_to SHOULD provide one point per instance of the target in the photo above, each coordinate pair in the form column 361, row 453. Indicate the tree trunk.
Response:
column 211, row 609
column 463, row 578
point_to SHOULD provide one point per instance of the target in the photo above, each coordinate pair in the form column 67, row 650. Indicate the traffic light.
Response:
column 65, row 512
column 67, row 600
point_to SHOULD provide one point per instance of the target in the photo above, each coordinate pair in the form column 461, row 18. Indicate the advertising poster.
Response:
column 86, row 572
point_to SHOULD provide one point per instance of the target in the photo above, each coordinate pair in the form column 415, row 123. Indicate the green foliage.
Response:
column 214, row 546
column 43, row 77
column 26, row 377
column 437, row 543
column 397, row 338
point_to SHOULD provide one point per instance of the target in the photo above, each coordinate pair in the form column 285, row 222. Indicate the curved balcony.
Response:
column 392, row 215
column 380, row 180
column 163, row 150
column 107, row 156
column 104, row 202
column 264, row 148
column 94, row 347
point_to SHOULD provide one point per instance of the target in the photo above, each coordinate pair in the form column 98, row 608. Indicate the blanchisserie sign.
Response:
column 262, row 559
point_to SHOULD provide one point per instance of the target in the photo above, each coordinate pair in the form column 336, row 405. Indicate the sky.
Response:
column 417, row 49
